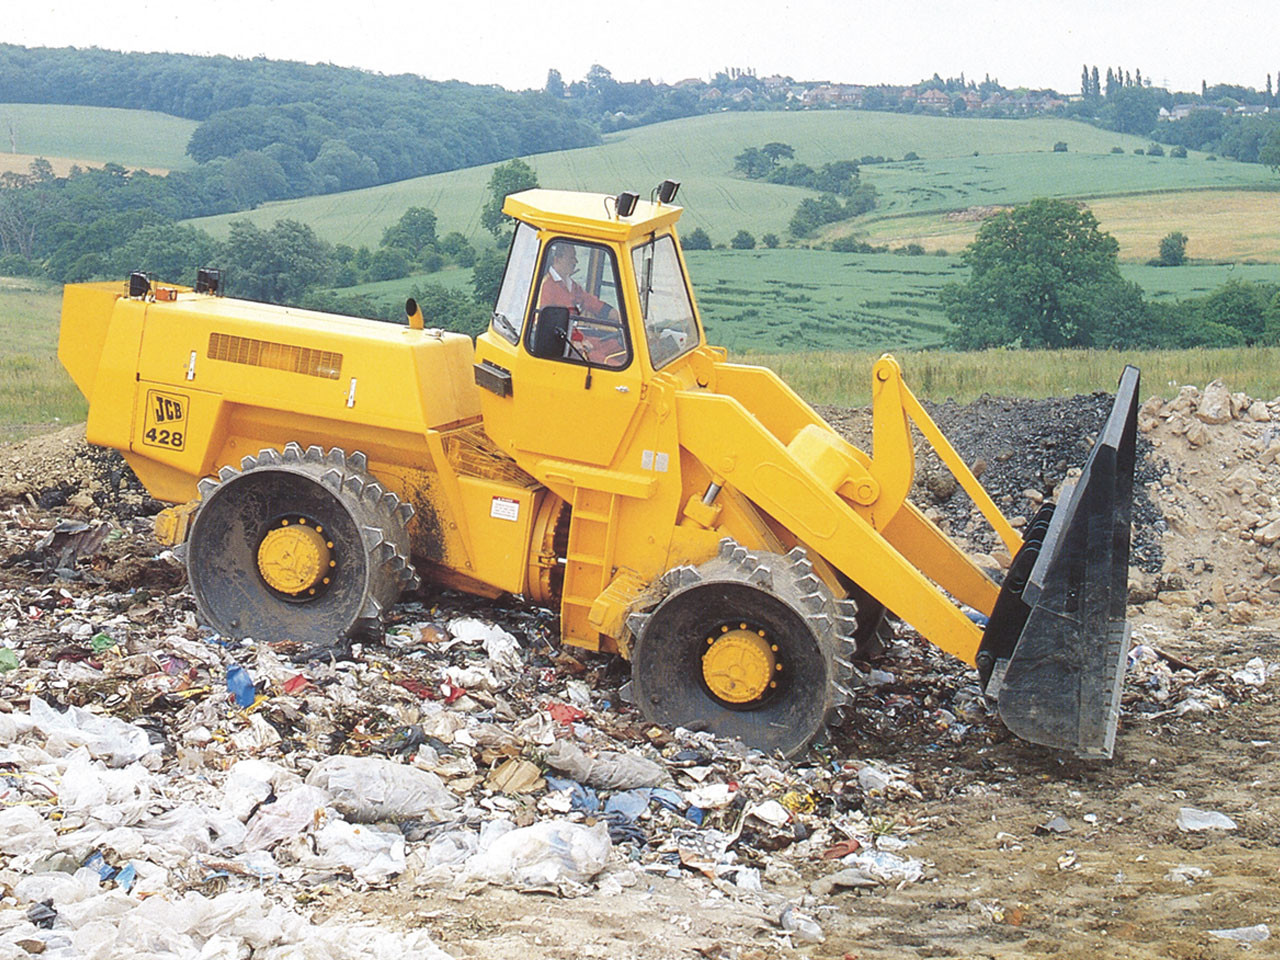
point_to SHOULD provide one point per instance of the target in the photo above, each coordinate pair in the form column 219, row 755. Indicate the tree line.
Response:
column 834, row 181
column 116, row 233
column 1046, row 275
column 303, row 129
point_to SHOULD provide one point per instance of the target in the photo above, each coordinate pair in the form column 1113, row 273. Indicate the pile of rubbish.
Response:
column 1022, row 451
column 162, row 785
column 166, row 792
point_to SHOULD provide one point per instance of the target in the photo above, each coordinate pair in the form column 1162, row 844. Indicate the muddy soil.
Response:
column 1121, row 880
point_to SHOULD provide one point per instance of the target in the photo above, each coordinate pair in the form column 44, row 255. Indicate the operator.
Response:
column 559, row 289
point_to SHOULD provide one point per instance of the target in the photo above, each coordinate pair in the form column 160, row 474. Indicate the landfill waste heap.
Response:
column 167, row 789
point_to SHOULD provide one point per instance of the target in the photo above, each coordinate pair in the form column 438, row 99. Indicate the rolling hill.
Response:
column 1014, row 162
column 92, row 136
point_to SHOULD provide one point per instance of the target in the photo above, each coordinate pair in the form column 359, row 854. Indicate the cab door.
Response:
column 577, row 386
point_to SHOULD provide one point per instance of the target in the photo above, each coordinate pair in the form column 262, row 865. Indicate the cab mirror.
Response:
column 550, row 332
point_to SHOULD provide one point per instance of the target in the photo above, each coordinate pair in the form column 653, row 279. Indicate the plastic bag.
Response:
column 609, row 771
column 1190, row 820
column 502, row 648
column 109, row 739
column 887, row 866
column 22, row 830
column 193, row 829
column 293, row 814
column 369, row 854
column 61, row 888
column 450, row 848
column 553, row 851
column 369, row 789
column 250, row 782
column 114, row 797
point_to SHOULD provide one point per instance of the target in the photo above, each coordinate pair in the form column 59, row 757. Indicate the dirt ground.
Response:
column 1114, row 877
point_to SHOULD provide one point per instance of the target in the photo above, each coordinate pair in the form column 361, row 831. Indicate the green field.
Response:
column 957, row 183
column 791, row 300
column 787, row 300
column 35, row 392
column 780, row 300
column 96, row 135
column 1195, row 280
column 699, row 151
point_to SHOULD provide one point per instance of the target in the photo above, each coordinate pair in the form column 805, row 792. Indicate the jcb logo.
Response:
column 166, row 409
column 165, row 423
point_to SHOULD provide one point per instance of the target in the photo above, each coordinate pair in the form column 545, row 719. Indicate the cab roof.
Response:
column 585, row 214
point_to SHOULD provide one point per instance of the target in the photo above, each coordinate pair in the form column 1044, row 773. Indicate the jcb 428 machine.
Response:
column 593, row 453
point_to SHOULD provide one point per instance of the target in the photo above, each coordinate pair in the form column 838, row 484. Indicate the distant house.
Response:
column 1252, row 110
column 934, row 100
column 820, row 95
column 972, row 100
column 1181, row 111
column 742, row 95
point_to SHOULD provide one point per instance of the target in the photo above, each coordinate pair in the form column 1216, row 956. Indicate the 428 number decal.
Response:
column 164, row 438
column 165, row 420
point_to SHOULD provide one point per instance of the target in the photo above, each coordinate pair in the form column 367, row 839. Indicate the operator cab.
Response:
column 595, row 301
column 586, row 286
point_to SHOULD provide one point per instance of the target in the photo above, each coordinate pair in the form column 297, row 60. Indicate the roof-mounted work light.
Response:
column 625, row 203
column 209, row 280
column 667, row 190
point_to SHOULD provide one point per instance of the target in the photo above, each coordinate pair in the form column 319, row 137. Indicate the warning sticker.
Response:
column 165, row 421
column 504, row 508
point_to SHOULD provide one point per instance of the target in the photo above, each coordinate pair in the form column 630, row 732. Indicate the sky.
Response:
column 1029, row 43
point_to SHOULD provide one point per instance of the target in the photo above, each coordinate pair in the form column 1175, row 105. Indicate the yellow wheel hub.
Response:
column 739, row 665
column 294, row 557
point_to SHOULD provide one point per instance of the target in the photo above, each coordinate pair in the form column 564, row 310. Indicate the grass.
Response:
column 1222, row 224
column 845, row 378
column 95, row 135
column 789, row 300
column 35, row 392
column 809, row 299
column 956, row 183
column 700, row 151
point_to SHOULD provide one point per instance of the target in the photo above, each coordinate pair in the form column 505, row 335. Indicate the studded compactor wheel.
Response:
column 748, row 645
column 302, row 545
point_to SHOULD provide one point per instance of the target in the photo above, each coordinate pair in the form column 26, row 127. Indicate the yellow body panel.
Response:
column 185, row 387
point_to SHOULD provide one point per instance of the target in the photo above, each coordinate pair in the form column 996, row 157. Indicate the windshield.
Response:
column 513, row 298
column 669, row 327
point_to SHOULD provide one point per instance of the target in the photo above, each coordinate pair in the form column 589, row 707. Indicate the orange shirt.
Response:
column 566, row 292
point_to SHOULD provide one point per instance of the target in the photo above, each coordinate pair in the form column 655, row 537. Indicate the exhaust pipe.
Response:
column 1054, row 652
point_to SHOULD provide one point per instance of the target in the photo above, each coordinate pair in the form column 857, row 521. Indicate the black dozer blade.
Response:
column 1054, row 652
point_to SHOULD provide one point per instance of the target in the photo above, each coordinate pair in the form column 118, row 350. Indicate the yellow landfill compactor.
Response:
column 593, row 454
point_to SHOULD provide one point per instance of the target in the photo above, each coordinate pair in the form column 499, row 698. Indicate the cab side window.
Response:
column 583, row 279
column 670, row 329
column 513, row 297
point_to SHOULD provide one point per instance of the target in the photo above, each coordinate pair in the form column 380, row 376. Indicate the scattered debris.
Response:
column 1192, row 820
column 1255, row 934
